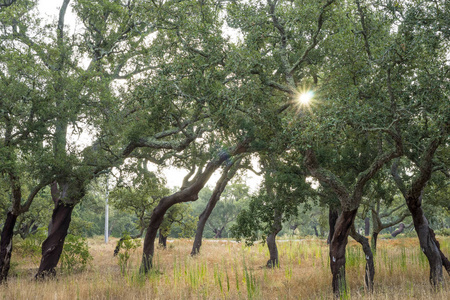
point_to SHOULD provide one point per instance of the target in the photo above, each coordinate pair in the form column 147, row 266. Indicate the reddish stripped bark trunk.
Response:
column 53, row 245
column 6, row 245
column 337, row 250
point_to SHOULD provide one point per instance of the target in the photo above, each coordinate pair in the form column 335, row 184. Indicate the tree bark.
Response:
column 53, row 245
column 427, row 241
column 6, row 245
column 373, row 242
column 337, row 250
column 333, row 215
column 367, row 226
column 162, row 240
column 370, row 266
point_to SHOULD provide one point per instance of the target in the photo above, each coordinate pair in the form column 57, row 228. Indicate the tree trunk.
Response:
column 370, row 266
column 162, row 240
column 427, row 241
column 333, row 215
column 400, row 229
column 445, row 260
column 215, row 197
column 373, row 242
column 367, row 226
column 315, row 231
column 6, row 245
column 149, row 242
column 53, row 245
column 337, row 250
column 218, row 232
column 271, row 241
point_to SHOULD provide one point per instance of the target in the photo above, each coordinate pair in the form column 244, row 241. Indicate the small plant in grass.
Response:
column 127, row 245
column 31, row 245
column 75, row 255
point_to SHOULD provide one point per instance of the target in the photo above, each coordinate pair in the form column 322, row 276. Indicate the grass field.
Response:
column 229, row 270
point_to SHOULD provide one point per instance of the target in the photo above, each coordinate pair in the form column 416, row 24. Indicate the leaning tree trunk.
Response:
column 337, row 250
column 6, row 245
column 427, row 241
column 370, row 266
column 215, row 197
column 53, row 245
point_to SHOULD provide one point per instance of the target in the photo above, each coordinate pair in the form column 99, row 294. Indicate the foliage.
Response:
column 75, row 255
column 126, row 246
column 234, row 198
column 31, row 245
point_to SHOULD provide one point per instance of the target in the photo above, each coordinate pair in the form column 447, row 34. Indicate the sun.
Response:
column 306, row 97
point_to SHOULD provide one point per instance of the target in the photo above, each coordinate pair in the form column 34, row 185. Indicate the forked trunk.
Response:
column 370, row 266
column 6, row 246
column 337, row 250
column 53, row 245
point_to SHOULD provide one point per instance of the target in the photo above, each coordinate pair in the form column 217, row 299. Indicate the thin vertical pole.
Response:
column 106, row 213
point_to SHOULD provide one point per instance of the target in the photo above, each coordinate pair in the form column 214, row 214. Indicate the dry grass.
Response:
column 227, row 270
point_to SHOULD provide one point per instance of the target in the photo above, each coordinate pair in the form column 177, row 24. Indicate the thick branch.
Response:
column 325, row 176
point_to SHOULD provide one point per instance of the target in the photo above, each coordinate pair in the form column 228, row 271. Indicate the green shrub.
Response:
column 75, row 255
column 31, row 245
column 126, row 246
column 443, row 232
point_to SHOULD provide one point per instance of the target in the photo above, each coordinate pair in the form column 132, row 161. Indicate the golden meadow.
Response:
column 230, row 270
